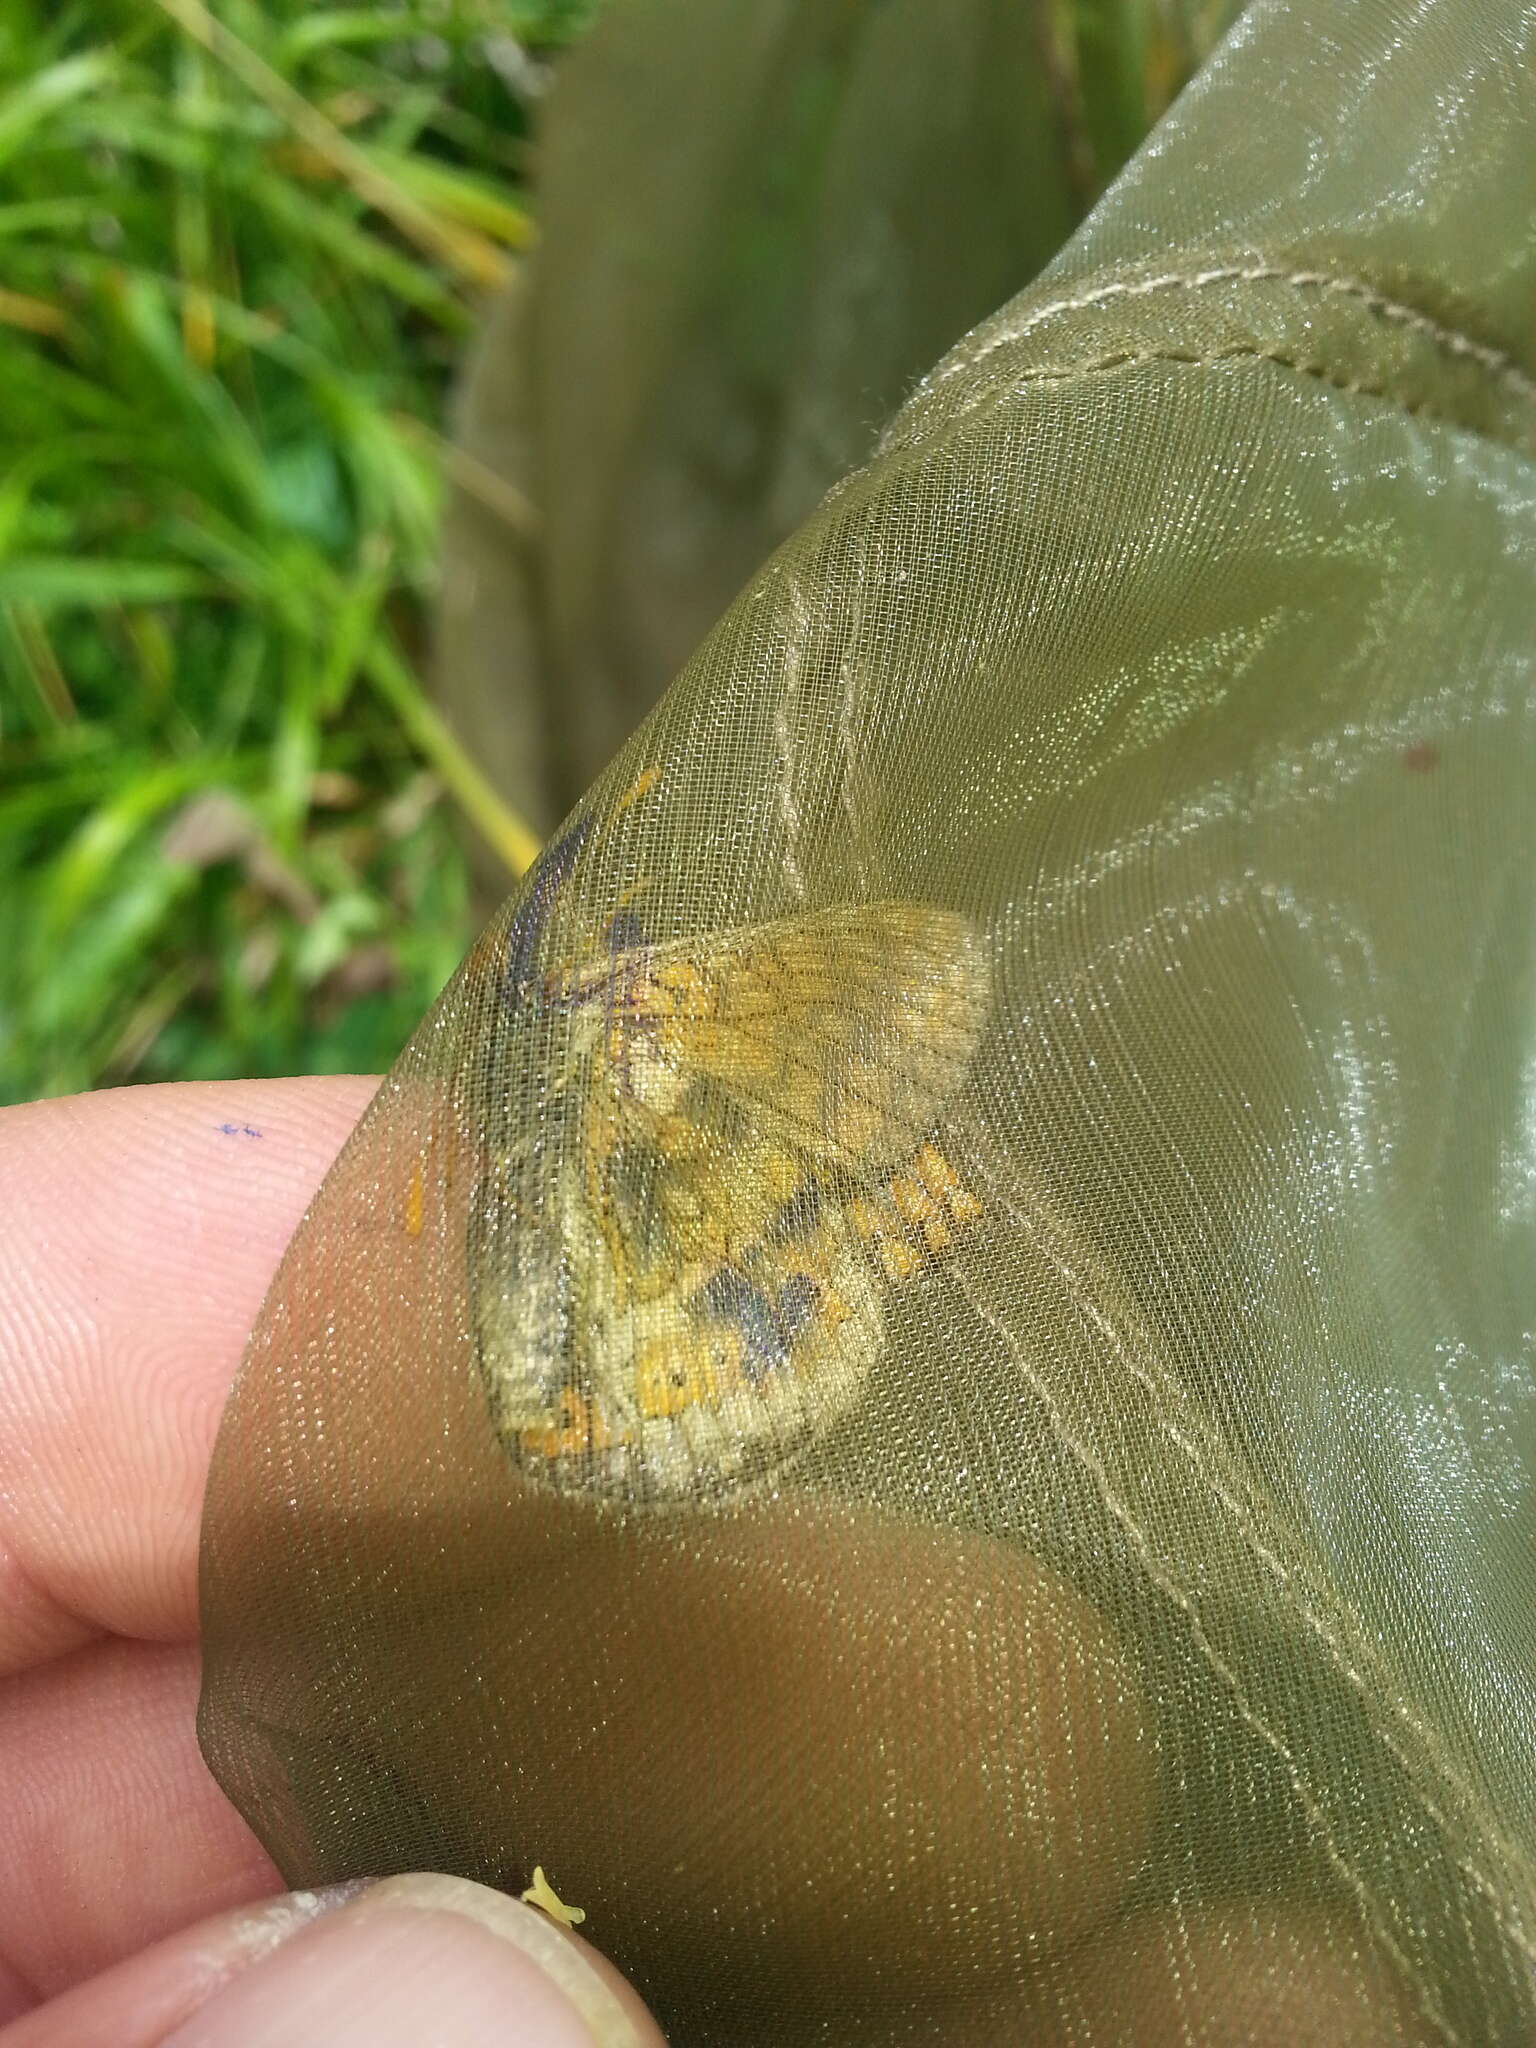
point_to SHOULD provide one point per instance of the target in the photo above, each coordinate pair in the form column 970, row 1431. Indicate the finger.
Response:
column 138, row 2002
column 148, row 1224
column 409, row 1960
column 114, row 1833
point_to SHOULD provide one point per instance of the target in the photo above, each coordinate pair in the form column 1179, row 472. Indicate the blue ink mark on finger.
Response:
column 239, row 1130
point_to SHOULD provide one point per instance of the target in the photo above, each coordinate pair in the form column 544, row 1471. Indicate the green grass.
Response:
column 238, row 261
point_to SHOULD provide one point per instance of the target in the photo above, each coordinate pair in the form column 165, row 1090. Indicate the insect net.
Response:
column 920, row 1381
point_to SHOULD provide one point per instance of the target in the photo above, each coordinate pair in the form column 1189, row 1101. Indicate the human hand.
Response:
column 142, row 1228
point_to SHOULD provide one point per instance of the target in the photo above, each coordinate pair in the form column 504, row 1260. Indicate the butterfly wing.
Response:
column 842, row 1033
column 693, row 1298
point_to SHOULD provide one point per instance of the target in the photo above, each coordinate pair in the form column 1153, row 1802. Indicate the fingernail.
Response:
column 253, row 1934
column 421, row 1958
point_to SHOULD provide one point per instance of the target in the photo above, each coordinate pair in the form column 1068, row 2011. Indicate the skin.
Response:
column 132, row 1896
column 135, row 1905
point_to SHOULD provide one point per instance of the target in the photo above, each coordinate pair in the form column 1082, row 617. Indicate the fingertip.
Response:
column 391, row 1964
column 426, row 1957
column 130, row 1275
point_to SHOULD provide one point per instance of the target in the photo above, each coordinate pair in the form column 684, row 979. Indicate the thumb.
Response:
column 393, row 1964
column 415, row 1959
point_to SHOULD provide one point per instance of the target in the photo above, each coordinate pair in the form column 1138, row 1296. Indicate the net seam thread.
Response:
column 1322, row 373
column 1340, row 1657
column 847, row 719
column 1448, row 340
column 789, row 809
column 1353, row 1878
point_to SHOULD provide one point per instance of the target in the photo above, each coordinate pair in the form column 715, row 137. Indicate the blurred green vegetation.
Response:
column 241, row 245
column 238, row 259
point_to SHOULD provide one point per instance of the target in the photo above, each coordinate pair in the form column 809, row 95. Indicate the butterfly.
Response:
column 680, row 1250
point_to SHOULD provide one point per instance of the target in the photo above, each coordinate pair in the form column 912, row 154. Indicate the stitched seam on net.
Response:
column 794, row 664
column 847, row 721
column 1339, row 1656
column 1233, row 1492
column 1287, row 1580
column 1448, row 340
column 1247, row 1712
column 1235, row 352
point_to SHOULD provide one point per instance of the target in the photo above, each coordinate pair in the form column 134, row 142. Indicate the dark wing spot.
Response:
column 798, row 1298
column 626, row 931
column 730, row 1295
column 799, row 1216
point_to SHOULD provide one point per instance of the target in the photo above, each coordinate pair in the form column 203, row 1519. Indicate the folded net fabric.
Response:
column 760, row 225
column 921, row 1381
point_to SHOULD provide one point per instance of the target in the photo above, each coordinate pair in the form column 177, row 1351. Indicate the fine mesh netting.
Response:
column 921, row 1381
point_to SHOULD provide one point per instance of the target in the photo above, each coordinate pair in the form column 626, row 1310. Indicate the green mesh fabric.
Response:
column 762, row 223
column 921, row 1381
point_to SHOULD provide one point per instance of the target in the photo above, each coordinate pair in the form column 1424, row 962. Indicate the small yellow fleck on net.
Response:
column 541, row 1893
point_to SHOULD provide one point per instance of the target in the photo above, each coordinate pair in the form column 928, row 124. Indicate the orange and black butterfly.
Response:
column 680, row 1250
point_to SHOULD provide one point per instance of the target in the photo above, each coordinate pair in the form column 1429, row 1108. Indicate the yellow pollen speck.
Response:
column 541, row 1893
